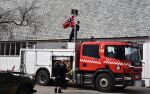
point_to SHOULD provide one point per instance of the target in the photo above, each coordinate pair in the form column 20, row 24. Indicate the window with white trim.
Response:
column 11, row 48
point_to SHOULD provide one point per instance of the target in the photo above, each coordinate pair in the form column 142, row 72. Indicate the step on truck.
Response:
column 105, row 65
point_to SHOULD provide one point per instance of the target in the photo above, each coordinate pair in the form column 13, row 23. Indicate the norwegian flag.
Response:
column 69, row 23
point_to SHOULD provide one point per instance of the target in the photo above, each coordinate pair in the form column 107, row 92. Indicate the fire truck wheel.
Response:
column 42, row 78
column 104, row 83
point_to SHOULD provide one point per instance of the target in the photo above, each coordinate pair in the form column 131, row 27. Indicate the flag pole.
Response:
column 75, row 33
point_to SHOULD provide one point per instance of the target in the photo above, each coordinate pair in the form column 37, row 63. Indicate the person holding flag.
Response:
column 70, row 23
column 72, row 31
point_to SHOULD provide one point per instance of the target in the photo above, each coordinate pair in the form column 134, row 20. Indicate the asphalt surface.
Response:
column 91, row 90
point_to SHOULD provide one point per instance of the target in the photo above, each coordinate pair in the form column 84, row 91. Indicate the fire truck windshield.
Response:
column 132, row 54
column 123, row 52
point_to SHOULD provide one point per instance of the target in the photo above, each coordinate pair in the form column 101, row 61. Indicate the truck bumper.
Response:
column 137, row 83
column 124, row 81
column 128, row 80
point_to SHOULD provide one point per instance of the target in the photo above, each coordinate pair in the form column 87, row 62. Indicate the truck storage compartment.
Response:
column 68, row 60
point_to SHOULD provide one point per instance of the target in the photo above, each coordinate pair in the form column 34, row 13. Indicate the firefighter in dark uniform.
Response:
column 72, row 32
column 60, row 74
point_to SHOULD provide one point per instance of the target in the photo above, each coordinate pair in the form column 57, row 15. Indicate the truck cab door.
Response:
column 89, row 57
column 115, row 58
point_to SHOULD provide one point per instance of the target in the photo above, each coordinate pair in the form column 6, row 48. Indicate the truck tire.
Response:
column 104, row 83
column 42, row 78
column 23, row 90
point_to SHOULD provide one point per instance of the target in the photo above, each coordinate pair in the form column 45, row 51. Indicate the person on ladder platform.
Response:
column 77, row 27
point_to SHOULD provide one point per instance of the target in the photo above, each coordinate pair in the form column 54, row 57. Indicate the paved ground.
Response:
column 90, row 90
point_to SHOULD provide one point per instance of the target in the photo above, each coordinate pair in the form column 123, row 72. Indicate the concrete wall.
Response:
column 51, row 45
column 55, row 45
column 7, row 62
column 146, row 64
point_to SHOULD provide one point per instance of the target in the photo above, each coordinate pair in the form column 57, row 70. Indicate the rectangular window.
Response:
column 110, row 51
column 91, row 51
column 2, row 48
column 11, row 48
column 17, row 48
column 115, row 52
column 123, row 52
column 7, row 49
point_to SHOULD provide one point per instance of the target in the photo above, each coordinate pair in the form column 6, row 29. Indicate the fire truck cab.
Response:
column 109, row 64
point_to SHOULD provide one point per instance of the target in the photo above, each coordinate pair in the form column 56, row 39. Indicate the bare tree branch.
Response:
column 23, row 11
column 4, row 22
column 20, row 16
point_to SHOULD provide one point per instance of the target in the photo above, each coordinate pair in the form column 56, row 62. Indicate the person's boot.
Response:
column 55, row 90
column 59, row 91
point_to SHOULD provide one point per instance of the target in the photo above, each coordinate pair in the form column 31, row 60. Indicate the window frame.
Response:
column 114, row 50
column 97, row 55
column 7, row 50
column 121, row 57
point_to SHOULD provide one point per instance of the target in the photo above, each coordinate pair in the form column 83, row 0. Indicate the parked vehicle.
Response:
column 105, row 65
column 15, row 83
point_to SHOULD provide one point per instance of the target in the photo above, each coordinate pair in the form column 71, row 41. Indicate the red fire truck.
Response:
column 109, row 64
column 105, row 65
